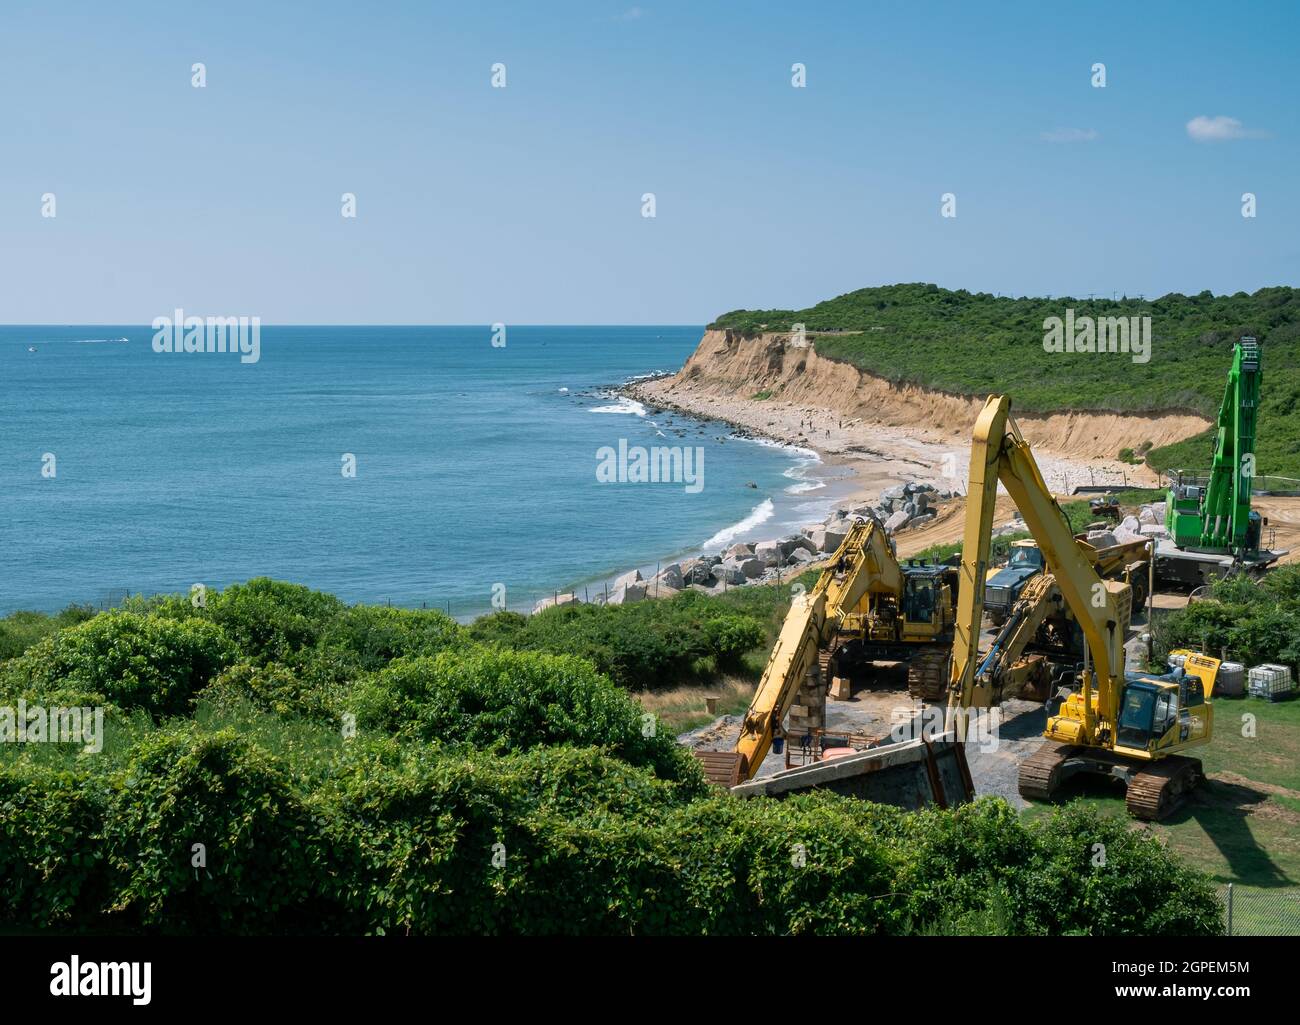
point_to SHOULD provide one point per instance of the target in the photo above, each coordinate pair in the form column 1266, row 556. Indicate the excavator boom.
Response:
column 1000, row 454
column 863, row 564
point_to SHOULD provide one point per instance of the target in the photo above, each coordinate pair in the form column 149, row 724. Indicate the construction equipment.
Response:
column 1105, row 508
column 1212, row 529
column 864, row 606
column 1130, row 726
column 1039, row 642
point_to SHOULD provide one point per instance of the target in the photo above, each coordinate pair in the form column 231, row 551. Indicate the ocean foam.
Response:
column 624, row 405
column 761, row 513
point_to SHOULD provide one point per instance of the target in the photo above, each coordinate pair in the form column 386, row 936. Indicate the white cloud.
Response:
column 1220, row 129
column 1070, row 135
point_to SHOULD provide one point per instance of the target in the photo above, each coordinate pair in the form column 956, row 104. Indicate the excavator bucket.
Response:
column 724, row 768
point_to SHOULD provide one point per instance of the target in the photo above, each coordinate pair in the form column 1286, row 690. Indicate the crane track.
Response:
column 1040, row 772
column 1156, row 791
column 927, row 675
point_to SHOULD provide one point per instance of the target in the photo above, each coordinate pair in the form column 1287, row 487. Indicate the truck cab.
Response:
column 1002, row 586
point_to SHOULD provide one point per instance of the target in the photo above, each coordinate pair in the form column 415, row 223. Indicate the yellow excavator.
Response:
column 1039, row 641
column 864, row 606
column 1131, row 726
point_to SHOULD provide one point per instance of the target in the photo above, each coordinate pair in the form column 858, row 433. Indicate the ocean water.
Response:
column 476, row 466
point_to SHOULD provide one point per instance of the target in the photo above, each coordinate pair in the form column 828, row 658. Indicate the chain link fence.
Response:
column 1253, row 912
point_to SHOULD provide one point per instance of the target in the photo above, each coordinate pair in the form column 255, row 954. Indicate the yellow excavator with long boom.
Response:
column 1130, row 726
column 864, row 605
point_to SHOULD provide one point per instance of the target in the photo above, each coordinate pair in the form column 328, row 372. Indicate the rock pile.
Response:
column 904, row 506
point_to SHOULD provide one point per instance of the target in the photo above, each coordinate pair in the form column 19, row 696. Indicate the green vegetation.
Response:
column 976, row 344
column 278, row 763
column 1250, row 622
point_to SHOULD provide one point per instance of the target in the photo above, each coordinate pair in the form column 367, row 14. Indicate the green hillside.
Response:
column 976, row 343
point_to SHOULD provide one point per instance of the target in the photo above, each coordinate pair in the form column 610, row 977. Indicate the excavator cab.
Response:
column 926, row 601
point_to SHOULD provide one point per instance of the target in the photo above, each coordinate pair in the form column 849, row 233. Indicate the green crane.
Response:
column 1214, row 514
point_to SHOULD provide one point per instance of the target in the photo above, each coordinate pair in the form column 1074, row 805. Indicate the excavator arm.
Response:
column 864, row 564
column 1000, row 454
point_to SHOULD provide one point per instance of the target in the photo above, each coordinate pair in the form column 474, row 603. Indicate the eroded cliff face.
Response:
column 729, row 365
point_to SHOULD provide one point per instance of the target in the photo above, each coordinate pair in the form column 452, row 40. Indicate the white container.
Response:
column 1270, row 680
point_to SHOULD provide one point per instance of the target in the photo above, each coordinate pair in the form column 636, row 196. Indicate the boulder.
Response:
column 1156, row 530
column 1145, row 515
column 1101, row 539
column 625, row 594
column 728, row 573
column 921, row 500
column 630, row 577
column 738, row 551
column 671, row 576
column 1159, row 511
column 563, row 599
column 919, row 520
column 895, row 492
column 827, row 540
column 798, row 542
column 1130, row 523
column 751, row 568
column 896, row 521
column 909, row 507
column 769, row 553
column 800, row 557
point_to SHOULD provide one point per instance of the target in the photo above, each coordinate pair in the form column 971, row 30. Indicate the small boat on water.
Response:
column 31, row 348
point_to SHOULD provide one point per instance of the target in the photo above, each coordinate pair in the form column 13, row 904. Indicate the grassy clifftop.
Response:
column 976, row 343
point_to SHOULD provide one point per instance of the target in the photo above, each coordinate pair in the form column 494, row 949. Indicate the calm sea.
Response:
column 475, row 465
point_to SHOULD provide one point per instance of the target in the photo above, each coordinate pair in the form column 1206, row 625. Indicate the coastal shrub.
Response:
column 650, row 645
column 270, row 619
column 122, row 659
column 50, row 860
column 20, row 630
column 415, row 833
column 182, row 787
column 500, row 700
column 377, row 634
column 1097, row 874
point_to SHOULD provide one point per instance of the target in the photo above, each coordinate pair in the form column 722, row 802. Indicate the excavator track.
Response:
column 927, row 675
column 1156, row 791
column 1040, row 773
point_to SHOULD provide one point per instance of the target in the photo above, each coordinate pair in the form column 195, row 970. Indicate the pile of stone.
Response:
column 909, row 505
column 1147, row 524
column 749, row 562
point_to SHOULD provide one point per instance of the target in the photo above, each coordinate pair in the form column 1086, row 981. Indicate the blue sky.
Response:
column 523, row 204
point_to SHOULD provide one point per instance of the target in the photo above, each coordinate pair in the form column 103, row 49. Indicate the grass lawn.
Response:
column 1243, row 826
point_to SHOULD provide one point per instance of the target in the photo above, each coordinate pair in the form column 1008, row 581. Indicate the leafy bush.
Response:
column 377, row 634
column 270, row 619
column 501, row 701
column 183, row 787
column 123, row 659
column 50, row 860
column 649, row 645
column 1251, row 621
column 20, row 630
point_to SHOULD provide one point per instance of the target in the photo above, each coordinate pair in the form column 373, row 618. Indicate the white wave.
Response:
column 96, row 341
column 646, row 377
column 761, row 513
column 804, row 486
column 564, row 391
column 624, row 405
column 803, row 453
